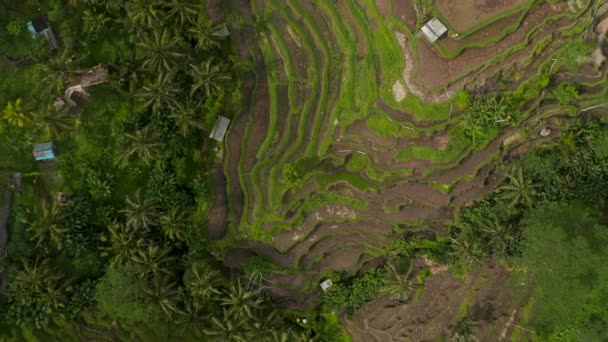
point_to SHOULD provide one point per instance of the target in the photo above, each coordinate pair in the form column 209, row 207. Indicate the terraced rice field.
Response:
column 349, row 135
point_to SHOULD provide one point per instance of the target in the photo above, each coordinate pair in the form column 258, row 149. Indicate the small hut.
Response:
column 76, row 96
column 326, row 285
column 220, row 128
column 433, row 30
column 40, row 26
column 44, row 151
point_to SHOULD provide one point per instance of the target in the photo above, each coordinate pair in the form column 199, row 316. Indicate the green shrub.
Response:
column 353, row 294
column 462, row 99
column 565, row 93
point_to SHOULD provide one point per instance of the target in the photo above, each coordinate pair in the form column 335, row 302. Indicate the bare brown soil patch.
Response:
column 404, row 10
column 432, row 316
column 436, row 71
column 218, row 217
column 465, row 14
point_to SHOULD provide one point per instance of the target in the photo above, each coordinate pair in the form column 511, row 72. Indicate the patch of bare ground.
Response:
column 384, row 7
column 464, row 15
column 432, row 316
column 218, row 217
column 497, row 29
column 436, row 71
column 404, row 10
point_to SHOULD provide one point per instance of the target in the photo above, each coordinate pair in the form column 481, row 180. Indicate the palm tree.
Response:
column 240, row 302
column 207, row 35
column 502, row 236
column 466, row 249
column 160, row 50
column 191, row 319
column 15, row 115
column 94, row 22
column 53, row 72
column 126, row 241
column 202, row 281
column 397, row 284
column 141, row 212
column 187, row 117
column 153, row 261
column 165, row 294
column 36, row 278
column 182, row 11
column 145, row 143
column 47, row 226
column 208, row 77
column 174, row 223
column 54, row 123
column 518, row 189
column 161, row 93
column 227, row 329
column 144, row 12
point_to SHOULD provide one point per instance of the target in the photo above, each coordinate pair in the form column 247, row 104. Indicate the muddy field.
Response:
column 466, row 14
column 480, row 297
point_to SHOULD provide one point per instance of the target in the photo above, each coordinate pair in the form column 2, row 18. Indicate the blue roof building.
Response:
column 44, row 151
column 42, row 26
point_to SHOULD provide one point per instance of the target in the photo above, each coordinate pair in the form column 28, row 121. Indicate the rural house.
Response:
column 76, row 95
column 44, row 151
column 220, row 128
column 40, row 26
column 433, row 30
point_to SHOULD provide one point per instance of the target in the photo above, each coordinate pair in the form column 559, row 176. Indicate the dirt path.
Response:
column 218, row 217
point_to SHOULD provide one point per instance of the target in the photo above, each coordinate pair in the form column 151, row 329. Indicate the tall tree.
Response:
column 164, row 293
column 144, row 12
column 46, row 225
column 183, row 12
column 202, row 283
column 240, row 302
column 54, row 123
column 397, row 284
column 15, row 114
column 174, row 224
column 207, row 35
column 126, row 240
column 227, row 329
column 208, row 77
column 186, row 116
column 161, row 93
column 518, row 189
column 145, row 143
column 141, row 212
column 153, row 261
column 161, row 51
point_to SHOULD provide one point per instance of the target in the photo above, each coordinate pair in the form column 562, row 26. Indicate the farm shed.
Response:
column 41, row 26
column 44, row 151
column 219, row 129
column 75, row 96
column 433, row 30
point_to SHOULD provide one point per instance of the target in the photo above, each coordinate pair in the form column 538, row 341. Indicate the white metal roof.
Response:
column 433, row 29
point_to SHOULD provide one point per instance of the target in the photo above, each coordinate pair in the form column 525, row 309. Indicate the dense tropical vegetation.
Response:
column 127, row 255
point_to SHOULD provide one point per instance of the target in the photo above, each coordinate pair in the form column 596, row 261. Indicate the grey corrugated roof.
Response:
column 220, row 128
column 433, row 29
